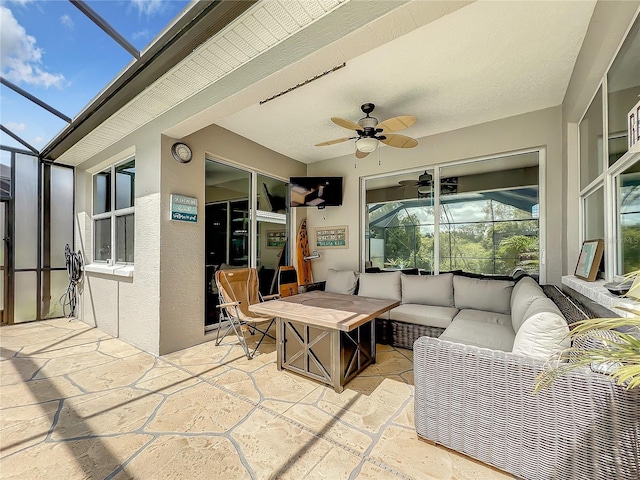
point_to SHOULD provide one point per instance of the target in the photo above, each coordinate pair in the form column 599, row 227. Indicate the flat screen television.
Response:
column 315, row 191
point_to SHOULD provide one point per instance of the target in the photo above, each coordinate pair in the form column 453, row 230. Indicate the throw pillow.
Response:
column 341, row 281
column 542, row 335
column 386, row 286
column 479, row 294
column 436, row 290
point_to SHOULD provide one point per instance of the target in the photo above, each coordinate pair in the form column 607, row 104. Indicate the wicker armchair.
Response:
column 479, row 402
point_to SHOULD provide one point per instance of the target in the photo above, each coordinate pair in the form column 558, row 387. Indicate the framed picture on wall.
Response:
column 589, row 259
column 332, row 237
column 276, row 238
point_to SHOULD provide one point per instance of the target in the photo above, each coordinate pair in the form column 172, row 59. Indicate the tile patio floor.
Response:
column 78, row 403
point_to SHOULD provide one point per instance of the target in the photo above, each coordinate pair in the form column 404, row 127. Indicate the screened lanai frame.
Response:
column 45, row 262
column 435, row 171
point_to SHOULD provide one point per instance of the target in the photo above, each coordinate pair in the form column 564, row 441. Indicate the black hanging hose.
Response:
column 74, row 269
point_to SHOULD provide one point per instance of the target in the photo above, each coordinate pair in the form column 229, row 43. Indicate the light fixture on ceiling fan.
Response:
column 424, row 184
column 370, row 132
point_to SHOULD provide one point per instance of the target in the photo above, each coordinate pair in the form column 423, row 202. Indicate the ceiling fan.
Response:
column 424, row 184
column 370, row 132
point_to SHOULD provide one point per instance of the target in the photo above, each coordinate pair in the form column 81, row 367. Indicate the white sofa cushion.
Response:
column 524, row 293
column 341, row 281
column 486, row 317
column 427, row 315
column 385, row 285
column 436, row 290
column 542, row 335
column 480, row 294
column 480, row 334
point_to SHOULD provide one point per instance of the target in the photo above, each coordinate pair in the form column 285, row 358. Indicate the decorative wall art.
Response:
column 332, row 237
column 589, row 259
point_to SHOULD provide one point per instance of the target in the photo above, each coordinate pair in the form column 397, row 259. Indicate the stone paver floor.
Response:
column 78, row 403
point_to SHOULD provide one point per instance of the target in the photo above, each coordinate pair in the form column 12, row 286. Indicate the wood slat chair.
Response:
column 237, row 289
column 287, row 281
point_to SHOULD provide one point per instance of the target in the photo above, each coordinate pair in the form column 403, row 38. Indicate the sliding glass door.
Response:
column 235, row 237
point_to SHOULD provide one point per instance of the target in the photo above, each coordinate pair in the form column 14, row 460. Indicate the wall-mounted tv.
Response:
column 315, row 191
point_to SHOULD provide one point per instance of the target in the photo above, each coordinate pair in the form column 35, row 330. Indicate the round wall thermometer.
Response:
column 181, row 152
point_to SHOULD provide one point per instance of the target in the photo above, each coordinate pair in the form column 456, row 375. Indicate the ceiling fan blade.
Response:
column 333, row 142
column 399, row 141
column 346, row 123
column 360, row 154
column 396, row 123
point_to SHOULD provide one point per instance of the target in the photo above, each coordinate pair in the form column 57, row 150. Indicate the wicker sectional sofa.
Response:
column 477, row 311
column 481, row 345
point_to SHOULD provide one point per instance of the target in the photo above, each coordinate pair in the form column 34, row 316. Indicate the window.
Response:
column 113, row 213
column 628, row 192
column 591, row 146
column 485, row 219
column 609, row 173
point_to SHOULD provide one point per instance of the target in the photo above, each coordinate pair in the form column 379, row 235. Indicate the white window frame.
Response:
column 113, row 214
column 542, row 205
column 608, row 179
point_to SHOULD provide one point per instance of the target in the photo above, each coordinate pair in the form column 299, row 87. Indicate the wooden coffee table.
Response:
column 329, row 337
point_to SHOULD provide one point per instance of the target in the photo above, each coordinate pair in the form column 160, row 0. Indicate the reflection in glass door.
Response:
column 227, row 225
column 272, row 224
column 234, row 237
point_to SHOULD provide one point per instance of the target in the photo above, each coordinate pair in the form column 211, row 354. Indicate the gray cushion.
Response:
column 341, row 281
column 428, row 289
column 524, row 293
column 380, row 285
column 486, row 317
column 480, row 334
column 541, row 305
column 426, row 315
column 479, row 294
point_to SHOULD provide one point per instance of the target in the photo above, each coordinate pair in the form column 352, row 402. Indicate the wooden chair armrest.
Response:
column 271, row 297
column 229, row 304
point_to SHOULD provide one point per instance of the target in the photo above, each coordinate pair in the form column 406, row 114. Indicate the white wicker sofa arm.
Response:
column 480, row 402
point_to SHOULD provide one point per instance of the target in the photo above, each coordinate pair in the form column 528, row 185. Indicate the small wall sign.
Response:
column 332, row 237
column 184, row 209
column 276, row 238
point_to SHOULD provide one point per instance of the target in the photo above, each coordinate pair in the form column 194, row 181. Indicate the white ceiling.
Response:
column 450, row 63
column 485, row 61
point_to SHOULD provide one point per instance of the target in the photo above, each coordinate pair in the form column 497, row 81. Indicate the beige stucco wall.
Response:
column 182, row 284
column 161, row 309
column 531, row 130
column 125, row 307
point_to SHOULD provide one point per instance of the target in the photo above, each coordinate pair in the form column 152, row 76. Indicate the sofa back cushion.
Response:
column 523, row 295
column 341, row 281
column 479, row 294
column 544, row 331
column 436, row 290
column 386, row 285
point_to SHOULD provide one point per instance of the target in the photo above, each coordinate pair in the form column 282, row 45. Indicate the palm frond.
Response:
column 623, row 351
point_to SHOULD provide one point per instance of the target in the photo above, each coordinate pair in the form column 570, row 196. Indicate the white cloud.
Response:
column 149, row 7
column 39, row 140
column 16, row 127
column 20, row 57
column 142, row 34
column 67, row 21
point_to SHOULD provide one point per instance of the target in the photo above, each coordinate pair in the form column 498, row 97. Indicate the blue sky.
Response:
column 53, row 51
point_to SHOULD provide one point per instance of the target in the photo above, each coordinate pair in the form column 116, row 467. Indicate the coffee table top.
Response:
column 324, row 309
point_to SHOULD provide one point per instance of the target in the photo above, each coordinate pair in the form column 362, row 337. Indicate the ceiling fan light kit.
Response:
column 370, row 133
column 366, row 144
